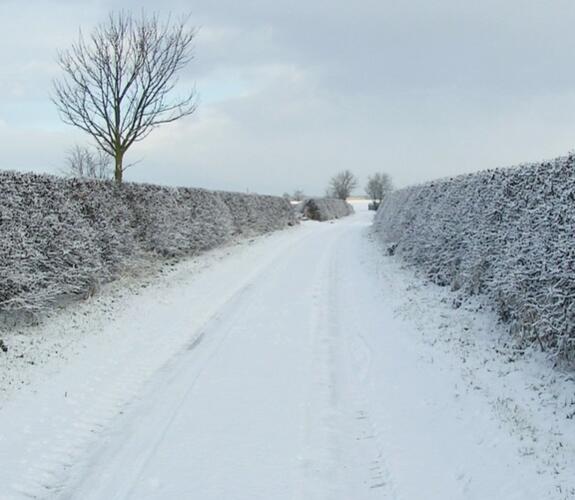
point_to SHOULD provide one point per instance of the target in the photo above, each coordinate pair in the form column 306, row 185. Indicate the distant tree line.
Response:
column 342, row 185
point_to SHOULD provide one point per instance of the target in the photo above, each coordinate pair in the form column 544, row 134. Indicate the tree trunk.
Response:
column 119, row 168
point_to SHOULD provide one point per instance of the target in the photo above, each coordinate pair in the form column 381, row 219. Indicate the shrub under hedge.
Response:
column 60, row 237
column 506, row 234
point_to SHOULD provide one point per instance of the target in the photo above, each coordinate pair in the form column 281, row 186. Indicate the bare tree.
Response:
column 378, row 185
column 91, row 163
column 341, row 185
column 117, row 83
column 298, row 195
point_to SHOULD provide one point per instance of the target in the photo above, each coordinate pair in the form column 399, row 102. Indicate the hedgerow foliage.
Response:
column 505, row 234
column 60, row 237
column 323, row 209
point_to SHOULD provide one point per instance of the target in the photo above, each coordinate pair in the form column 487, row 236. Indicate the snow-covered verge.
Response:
column 323, row 209
column 62, row 238
column 506, row 235
column 473, row 416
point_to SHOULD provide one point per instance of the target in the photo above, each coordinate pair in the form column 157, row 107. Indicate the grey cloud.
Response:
column 291, row 92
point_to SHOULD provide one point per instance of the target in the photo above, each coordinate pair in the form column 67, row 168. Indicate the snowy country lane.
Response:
column 281, row 372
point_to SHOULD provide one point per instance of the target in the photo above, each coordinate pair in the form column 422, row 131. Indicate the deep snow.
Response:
column 301, row 365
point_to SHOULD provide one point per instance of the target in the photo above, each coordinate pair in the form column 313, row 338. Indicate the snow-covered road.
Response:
column 282, row 369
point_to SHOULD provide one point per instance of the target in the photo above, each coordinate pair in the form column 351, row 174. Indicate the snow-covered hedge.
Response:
column 59, row 238
column 323, row 209
column 254, row 214
column 506, row 234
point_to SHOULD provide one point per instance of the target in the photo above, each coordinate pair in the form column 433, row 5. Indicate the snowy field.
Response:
column 299, row 365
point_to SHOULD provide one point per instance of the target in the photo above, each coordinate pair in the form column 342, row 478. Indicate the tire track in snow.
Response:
column 56, row 432
column 368, row 475
column 177, row 378
column 198, row 353
column 344, row 451
column 319, row 458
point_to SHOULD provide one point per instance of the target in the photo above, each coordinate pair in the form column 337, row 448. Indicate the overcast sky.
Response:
column 291, row 92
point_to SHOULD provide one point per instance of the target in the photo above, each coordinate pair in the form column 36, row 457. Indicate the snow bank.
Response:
column 505, row 234
column 323, row 209
column 61, row 237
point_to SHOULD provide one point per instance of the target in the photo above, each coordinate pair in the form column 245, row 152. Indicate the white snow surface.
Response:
column 300, row 365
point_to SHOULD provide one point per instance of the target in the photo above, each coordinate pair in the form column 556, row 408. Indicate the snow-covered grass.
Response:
column 61, row 239
column 506, row 235
column 323, row 209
